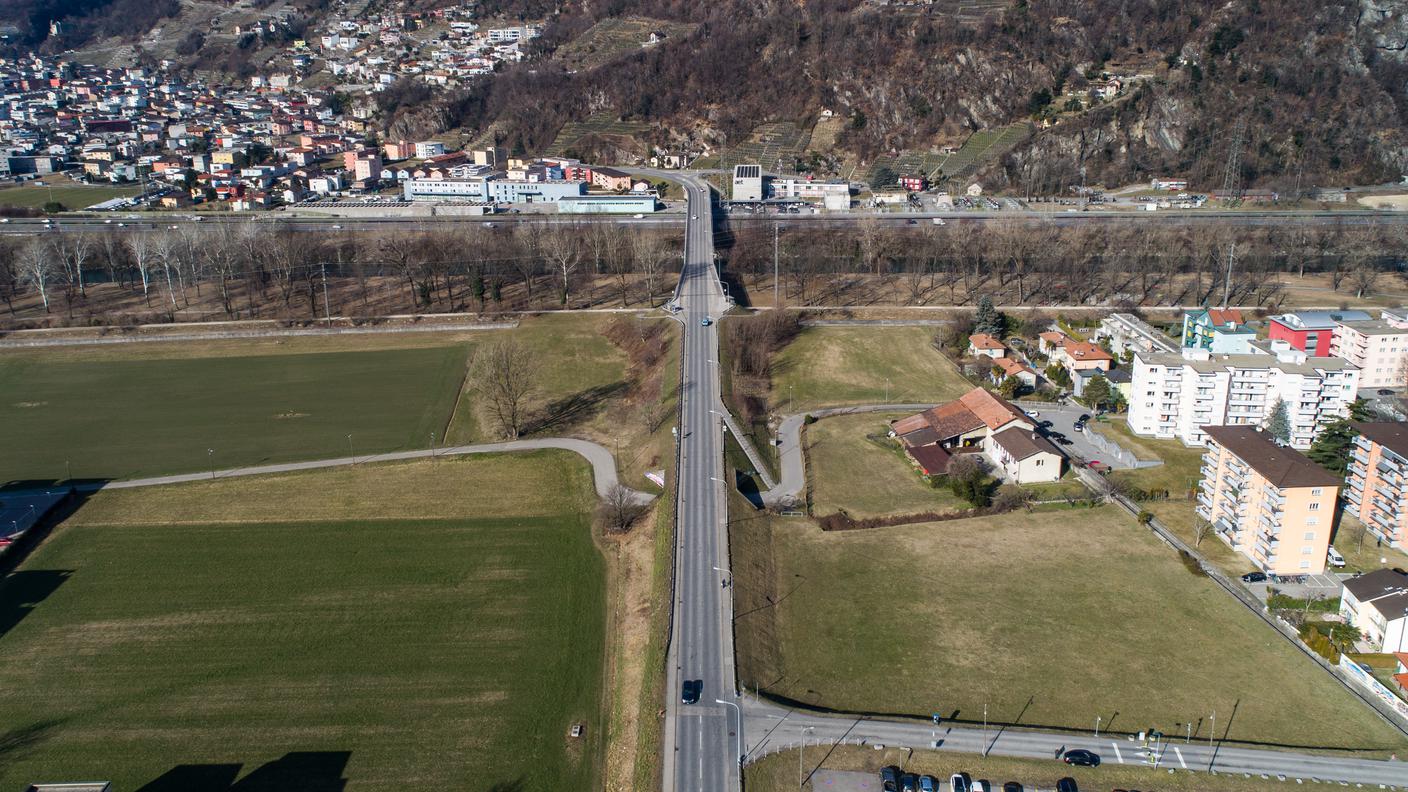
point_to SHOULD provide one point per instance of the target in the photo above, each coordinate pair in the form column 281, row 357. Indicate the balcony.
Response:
column 1354, row 496
column 1393, row 495
column 1275, row 496
column 1204, row 498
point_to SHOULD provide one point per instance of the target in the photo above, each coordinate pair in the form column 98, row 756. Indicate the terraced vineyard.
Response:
column 601, row 124
column 616, row 37
column 768, row 144
column 980, row 148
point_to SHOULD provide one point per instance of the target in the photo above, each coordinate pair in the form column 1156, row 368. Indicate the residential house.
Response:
column 1376, row 604
column 1219, row 330
column 1005, row 367
column 984, row 345
column 1075, row 356
column 611, row 179
column 1175, row 396
column 1310, row 331
column 1376, row 480
column 914, row 182
column 1268, row 502
column 973, row 423
column 1376, row 346
column 427, row 149
column 1024, row 456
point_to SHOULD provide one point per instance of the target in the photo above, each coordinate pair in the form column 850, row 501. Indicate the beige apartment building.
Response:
column 1376, row 481
column 1270, row 503
column 1377, row 347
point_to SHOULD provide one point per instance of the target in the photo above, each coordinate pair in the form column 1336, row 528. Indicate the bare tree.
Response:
column 37, row 268
column 1202, row 529
column 651, row 252
column 561, row 247
column 507, row 376
column 142, row 252
column 621, row 508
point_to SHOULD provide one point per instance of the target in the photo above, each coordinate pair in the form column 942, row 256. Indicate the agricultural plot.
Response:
column 74, row 197
column 602, row 124
column 432, row 624
column 113, row 417
column 775, row 146
column 981, row 148
column 617, row 37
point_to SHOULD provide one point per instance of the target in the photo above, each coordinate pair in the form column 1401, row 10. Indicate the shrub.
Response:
column 1191, row 564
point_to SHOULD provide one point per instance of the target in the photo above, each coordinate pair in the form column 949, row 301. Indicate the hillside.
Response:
column 1318, row 83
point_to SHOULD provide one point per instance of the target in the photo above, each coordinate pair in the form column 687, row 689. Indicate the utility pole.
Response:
column 774, row 266
column 1227, row 279
column 327, row 311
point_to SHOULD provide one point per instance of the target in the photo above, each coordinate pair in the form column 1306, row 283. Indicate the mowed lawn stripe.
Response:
column 453, row 653
column 833, row 366
column 129, row 417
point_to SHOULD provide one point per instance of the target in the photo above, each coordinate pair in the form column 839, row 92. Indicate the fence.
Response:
column 1397, row 718
column 1111, row 448
column 1357, row 674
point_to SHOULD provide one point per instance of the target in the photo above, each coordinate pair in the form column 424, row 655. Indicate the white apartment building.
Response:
column 804, row 189
column 1175, row 396
column 426, row 149
column 1376, row 346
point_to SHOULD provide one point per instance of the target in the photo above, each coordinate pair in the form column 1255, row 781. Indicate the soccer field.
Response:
column 128, row 416
column 193, row 637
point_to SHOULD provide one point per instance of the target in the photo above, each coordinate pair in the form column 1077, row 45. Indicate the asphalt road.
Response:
column 770, row 728
column 702, row 742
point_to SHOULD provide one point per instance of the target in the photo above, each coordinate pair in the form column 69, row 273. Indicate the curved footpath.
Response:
column 793, row 472
column 603, row 465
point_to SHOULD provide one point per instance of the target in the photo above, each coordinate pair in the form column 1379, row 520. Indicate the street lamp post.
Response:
column 738, row 735
column 1097, row 726
column 350, row 452
column 210, row 455
column 432, row 445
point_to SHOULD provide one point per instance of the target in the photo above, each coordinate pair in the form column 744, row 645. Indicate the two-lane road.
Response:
column 702, row 742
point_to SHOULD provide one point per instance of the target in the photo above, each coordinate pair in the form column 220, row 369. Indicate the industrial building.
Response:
column 747, row 183
column 607, row 204
column 495, row 190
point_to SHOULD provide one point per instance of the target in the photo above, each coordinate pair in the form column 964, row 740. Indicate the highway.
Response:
column 702, row 744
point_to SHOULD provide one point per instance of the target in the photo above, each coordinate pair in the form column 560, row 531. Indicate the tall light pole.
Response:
column 1097, row 726
column 432, row 445
column 350, row 452
column 210, row 455
column 775, row 304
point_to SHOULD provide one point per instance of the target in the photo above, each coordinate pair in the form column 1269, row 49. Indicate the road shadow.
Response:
column 572, row 409
column 747, row 486
column 21, row 592
column 306, row 771
column 15, row 494
column 722, row 229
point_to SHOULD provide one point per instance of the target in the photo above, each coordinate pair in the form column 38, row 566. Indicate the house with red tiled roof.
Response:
column 1005, row 367
column 979, row 421
column 1076, row 356
column 1219, row 330
column 984, row 345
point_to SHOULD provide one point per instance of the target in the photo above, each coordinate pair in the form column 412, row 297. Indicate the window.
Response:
column 1311, row 521
column 1307, row 550
column 1309, row 535
column 1305, row 565
column 1314, row 507
column 1317, row 492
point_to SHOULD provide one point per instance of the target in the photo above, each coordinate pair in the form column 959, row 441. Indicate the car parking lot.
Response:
column 1325, row 586
column 1063, row 420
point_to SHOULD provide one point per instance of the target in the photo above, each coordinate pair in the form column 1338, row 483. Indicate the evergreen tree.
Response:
column 989, row 320
column 1097, row 392
column 1331, row 449
column 1278, row 424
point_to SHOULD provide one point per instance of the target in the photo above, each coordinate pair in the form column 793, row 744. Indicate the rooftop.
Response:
column 1374, row 327
column 1393, row 435
column 1282, row 467
column 1023, row 443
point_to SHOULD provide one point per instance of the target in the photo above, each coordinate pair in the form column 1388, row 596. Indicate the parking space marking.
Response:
column 1179, row 754
column 1118, row 757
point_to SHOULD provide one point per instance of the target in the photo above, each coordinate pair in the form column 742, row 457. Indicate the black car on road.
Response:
column 1081, row 758
column 690, row 690
column 1254, row 577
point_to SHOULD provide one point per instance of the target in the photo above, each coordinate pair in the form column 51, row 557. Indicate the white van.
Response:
column 1336, row 560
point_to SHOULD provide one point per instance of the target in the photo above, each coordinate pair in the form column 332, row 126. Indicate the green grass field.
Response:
column 130, row 416
column 1049, row 622
column 849, row 471
column 74, row 197
column 837, row 366
column 778, row 772
column 435, row 625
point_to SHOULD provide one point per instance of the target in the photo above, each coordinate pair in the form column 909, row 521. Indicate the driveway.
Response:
column 1063, row 421
column 1326, row 586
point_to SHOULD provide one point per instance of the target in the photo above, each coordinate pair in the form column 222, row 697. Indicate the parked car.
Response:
column 1081, row 758
column 1254, row 577
column 960, row 782
column 982, row 785
column 689, row 693
column 1385, row 392
column 928, row 783
column 890, row 779
column 909, row 782
column 1336, row 560
column 1067, row 785
column 1011, row 786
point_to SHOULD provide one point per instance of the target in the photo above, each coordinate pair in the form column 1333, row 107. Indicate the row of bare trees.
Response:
column 1024, row 262
column 256, row 269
